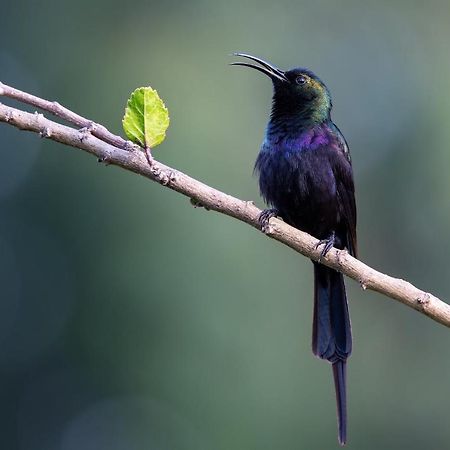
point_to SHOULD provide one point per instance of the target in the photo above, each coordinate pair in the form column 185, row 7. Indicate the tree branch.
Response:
column 112, row 149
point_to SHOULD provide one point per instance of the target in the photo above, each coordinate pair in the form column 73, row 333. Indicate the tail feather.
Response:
column 340, row 377
column 332, row 339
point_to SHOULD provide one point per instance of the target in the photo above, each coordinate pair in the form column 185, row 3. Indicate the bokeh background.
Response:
column 129, row 320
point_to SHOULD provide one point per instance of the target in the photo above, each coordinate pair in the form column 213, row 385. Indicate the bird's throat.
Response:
column 288, row 127
column 291, row 118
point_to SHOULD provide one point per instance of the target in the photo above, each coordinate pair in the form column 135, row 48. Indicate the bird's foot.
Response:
column 265, row 217
column 327, row 243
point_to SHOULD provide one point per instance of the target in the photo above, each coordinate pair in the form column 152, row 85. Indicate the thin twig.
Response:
column 109, row 148
column 58, row 110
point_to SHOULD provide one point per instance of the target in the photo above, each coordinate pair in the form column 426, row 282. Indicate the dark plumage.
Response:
column 305, row 175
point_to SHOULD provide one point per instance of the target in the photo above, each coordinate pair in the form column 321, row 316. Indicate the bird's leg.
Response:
column 265, row 216
column 328, row 244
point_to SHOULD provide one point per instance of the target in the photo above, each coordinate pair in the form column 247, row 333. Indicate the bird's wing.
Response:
column 346, row 195
column 343, row 173
column 341, row 143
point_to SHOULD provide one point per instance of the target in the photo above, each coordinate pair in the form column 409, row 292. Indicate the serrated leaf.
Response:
column 146, row 118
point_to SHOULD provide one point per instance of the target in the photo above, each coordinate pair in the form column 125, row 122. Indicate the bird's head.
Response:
column 297, row 92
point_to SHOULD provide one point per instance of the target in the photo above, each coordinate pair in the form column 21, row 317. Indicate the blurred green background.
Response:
column 130, row 320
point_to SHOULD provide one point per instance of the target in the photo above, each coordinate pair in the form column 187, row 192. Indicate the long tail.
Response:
column 332, row 337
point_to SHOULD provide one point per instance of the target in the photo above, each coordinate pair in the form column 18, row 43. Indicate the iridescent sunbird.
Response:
column 306, row 178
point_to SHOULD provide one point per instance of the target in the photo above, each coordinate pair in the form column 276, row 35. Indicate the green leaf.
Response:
column 146, row 118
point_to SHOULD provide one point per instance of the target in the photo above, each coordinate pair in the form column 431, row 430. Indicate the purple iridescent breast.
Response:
column 309, row 139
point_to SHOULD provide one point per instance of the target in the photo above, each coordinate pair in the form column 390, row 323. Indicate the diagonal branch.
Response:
column 97, row 140
column 58, row 110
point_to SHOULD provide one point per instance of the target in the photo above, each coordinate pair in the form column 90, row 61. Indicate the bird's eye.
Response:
column 301, row 79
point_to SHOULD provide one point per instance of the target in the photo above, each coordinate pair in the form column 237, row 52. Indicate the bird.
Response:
column 306, row 179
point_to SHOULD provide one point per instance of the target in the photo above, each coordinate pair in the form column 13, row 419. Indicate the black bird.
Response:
column 305, row 175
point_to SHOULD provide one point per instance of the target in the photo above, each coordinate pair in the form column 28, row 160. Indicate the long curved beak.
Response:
column 266, row 68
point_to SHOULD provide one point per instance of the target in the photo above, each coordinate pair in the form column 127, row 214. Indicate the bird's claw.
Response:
column 265, row 217
column 327, row 243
